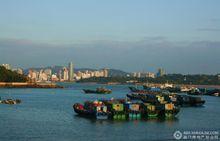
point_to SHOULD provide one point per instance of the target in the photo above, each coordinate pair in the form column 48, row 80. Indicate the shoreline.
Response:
column 28, row 85
column 156, row 84
column 54, row 85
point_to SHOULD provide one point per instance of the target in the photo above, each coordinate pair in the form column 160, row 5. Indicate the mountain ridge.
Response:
column 55, row 69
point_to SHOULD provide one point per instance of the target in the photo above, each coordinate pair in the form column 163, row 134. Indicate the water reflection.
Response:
column 168, row 121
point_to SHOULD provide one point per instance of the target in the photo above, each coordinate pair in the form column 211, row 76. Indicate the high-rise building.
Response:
column 150, row 75
column 54, row 77
column 137, row 74
column 105, row 72
column 71, row 73
column 161, row 72
column 19, row 71
column 7, row 66
column 48, row 72
column 33, row 75
column 65, row 74
column 60, row 75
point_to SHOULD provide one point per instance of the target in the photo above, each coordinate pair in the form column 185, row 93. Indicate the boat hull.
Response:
column 87, row 91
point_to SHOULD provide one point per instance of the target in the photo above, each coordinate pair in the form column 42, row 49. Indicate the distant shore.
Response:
column 28, row 85
column 54, row 85
column 154, row 84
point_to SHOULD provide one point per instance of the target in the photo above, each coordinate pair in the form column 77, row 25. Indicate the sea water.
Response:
column 48, row 115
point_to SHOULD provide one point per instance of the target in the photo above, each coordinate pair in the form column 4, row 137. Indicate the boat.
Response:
column 149, row 110
column 146, row 87
column 116, row 109
column 171, row 110
column 186, row 100
column 10, row 101
column 98, row 91
column 185, row 89
column 173, row 89
column 214, row 92
column 121, row 109
column 135, row 96
column 133, row 110
column 159, row 110
column 136, row 90
column 194, row 91
column 94, row 109
column 150, row 98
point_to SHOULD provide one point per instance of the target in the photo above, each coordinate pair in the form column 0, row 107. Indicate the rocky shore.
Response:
column 28, row 85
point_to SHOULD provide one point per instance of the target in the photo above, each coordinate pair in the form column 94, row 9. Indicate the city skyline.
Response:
column 179, row 36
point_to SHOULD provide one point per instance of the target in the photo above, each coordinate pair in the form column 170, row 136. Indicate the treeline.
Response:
column 170, row 78
column 11, row 76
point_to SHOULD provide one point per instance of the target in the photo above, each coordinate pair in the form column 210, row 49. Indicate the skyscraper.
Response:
column 7, row 66
column 65, row 74
column 161, row 72
column 105, row 72
column 71, row 71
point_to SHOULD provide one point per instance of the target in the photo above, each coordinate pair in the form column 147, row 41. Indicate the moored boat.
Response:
column 186, row 100
column 116, row 109
column 121, row 109
column 94, row 109
column 139, row 91
column 11, row 101
column 171, row 110
column 214, row 92
column 98, row 91
column 149, row 111
column 194, row 91
column 133, row 110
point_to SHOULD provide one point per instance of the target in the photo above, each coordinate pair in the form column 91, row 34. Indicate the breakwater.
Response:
column 28, row 85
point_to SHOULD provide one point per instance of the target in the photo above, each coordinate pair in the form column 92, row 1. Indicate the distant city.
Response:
column 67, row 73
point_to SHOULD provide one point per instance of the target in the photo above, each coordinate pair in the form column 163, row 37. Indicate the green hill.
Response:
column 11, row 76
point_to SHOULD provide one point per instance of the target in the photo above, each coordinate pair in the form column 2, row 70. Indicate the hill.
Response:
column 11, row 76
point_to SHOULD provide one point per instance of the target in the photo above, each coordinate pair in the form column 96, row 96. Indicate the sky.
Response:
column 182, row 36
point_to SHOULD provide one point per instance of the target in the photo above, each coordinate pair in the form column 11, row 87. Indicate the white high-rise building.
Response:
column 7, row 66
column 105, row 72
column 65, row 74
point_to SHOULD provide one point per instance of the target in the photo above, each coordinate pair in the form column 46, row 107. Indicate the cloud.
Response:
column 147, row 54
column 215, row 20
column 209, row 29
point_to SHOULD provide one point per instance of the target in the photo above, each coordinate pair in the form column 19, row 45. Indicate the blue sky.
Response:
column 115, row 25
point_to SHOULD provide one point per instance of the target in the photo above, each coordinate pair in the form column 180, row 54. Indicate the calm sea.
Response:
column 47, row 115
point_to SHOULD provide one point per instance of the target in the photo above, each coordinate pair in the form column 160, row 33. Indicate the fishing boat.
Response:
column 194, row 91
column 135, row 96
column 150, row 98
column 133, row 110
column 98, row 91
column 136, row 90
column 10, row 101
column 122, row 109
column 171, row 110
column 186, row 100
column 158, row 106
column 173, row 89
column 94, row 109
column 150, row 111
column 154, row 89
column 214, row 92
column 116, row 109
column 146, row 87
